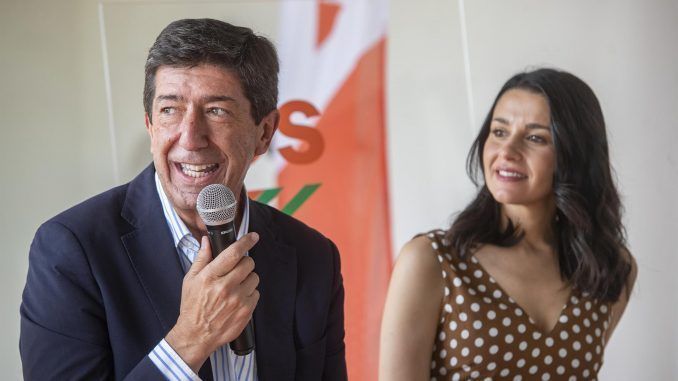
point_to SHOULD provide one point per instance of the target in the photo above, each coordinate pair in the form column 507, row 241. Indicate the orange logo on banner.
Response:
column 312, row 141
column 327, row 14
column 312, row 146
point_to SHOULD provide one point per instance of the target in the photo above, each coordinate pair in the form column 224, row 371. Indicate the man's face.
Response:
column 202, row 133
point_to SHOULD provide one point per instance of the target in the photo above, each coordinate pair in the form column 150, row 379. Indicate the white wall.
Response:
column 52, row 121
column 56, row 143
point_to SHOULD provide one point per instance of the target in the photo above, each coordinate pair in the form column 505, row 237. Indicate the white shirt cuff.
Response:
column 170, row 364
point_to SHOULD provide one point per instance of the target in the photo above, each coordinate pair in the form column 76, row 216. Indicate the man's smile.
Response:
column 198, row 170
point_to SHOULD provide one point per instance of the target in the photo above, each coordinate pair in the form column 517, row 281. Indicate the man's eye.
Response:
column 167, row 110
column 216, row 111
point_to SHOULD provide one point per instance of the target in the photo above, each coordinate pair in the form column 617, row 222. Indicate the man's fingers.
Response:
column 253, row 299
column 203, row 258
column 229, row 258
column 250, row 284
column 249, row 303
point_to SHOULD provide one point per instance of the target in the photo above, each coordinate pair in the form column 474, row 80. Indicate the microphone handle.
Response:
column 244, row 343
column 221, row 237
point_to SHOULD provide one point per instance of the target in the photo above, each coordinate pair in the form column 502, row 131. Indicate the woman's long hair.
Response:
column 588, row 229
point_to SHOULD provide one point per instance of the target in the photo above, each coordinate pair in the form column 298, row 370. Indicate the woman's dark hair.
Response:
column 192, row 42
column 590, row 237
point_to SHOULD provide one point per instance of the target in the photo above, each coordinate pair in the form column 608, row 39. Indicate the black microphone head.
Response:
column 216, row 205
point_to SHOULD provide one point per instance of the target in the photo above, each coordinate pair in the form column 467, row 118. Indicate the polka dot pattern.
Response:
column 484, row 334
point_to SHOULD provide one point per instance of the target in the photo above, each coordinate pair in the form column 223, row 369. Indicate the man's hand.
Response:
column 218, row 297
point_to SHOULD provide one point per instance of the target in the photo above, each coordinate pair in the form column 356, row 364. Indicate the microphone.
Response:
column 217, row 207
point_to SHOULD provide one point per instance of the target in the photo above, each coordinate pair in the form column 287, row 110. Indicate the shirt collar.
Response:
column 177, row 226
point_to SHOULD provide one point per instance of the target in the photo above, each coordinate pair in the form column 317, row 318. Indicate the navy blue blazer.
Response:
column 104, row 287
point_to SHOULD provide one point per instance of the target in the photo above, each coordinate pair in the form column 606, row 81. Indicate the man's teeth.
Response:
column 200, row 170
column 510, row 174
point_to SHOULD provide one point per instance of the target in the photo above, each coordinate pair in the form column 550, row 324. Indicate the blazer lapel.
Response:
column 151, row 250
column 276, row 265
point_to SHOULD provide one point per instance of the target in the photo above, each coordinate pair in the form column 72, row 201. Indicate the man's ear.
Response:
column 149, row 128
column 149, row 124
column 268, row 126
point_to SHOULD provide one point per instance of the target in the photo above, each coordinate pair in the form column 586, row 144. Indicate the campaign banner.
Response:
column 327, row 165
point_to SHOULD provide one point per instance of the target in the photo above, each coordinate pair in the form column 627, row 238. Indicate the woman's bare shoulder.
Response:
column 421, row 255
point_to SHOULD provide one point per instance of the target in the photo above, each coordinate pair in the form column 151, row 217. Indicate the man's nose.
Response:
column 194, row 132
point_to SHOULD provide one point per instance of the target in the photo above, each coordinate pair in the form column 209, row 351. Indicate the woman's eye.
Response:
column 498, row 132
column 536, row 139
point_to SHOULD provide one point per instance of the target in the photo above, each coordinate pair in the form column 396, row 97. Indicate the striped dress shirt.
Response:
column 226, row 365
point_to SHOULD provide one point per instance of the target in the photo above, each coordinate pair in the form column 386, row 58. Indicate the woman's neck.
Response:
column 534, row 221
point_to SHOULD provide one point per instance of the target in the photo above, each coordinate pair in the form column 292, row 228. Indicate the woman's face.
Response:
column 519, row 156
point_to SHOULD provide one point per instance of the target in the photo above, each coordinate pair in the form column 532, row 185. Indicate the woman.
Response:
column 532, row 277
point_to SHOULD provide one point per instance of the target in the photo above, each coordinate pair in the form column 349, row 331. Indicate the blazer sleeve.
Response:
column 335, row 352
column 64, row 334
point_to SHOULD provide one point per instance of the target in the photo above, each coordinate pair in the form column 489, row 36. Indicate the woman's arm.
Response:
column 411, row 314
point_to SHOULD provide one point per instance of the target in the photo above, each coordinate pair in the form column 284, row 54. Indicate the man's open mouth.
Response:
column 198, row 170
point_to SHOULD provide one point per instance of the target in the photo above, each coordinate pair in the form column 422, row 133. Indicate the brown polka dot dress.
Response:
column 484, row 335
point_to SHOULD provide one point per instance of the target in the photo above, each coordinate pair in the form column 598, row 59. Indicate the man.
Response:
column 123, row 286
